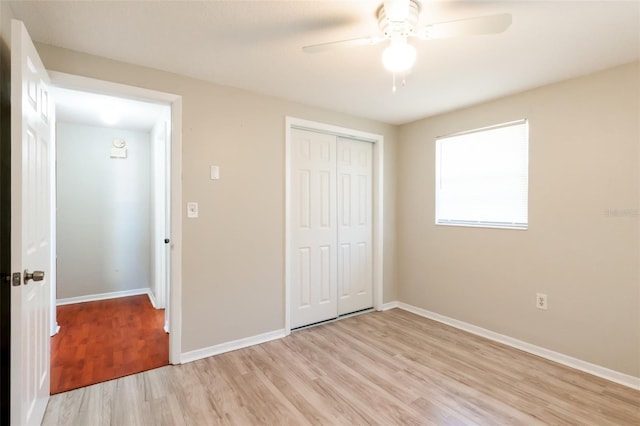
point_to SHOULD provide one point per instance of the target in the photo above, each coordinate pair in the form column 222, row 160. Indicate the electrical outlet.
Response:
column 541, row 301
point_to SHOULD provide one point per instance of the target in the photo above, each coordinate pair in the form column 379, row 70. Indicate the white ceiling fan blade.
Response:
column 354, row 42
column 396, row 10
column 491, row 24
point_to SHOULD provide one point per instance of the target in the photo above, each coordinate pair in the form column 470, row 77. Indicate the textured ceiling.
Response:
column 256, row 45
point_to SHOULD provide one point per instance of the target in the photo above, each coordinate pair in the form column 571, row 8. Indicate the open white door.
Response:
column 32, row 120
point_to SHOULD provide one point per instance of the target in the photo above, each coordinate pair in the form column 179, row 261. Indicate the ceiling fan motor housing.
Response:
column 401, row 28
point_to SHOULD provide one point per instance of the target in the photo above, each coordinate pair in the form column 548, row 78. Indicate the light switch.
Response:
column 215, row 172
column 192, row 210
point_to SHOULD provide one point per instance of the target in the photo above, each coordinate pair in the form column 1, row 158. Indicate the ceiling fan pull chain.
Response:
column 403, row 82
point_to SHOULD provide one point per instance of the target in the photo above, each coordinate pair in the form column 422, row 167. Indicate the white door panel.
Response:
column 331, row 226
column 313, row 264
column 32, row 117
column 355, row 175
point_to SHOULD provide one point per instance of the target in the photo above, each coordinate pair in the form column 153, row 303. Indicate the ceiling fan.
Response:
column 398, row 21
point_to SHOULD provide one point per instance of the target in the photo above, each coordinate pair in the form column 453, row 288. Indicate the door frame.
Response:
column 76, row 82
column 377, row 199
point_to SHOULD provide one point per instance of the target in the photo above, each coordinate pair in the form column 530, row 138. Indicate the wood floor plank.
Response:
column 106, row 339
column 383, row 368
column 266, row 406
column 281, row 381
column 355, row 386
column 475, row 373
column 382, row 381
column 338, row 410
column 164, row 411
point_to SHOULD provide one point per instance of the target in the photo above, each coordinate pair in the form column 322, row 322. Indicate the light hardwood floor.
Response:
column 378, row 368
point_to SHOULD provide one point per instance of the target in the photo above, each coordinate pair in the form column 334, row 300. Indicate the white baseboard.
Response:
column 578, row 364
column 231, row 346
column 56, row 329
column 389, row 305
column 103, row 296
column 152, row 299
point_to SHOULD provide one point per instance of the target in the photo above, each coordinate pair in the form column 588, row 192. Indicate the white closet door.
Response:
column 314, row 229
column 355, row 253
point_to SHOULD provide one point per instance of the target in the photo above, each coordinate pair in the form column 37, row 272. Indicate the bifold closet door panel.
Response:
column 355, row 253
column 314, row 228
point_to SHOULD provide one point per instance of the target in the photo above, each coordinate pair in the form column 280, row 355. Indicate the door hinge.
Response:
column 16, row 279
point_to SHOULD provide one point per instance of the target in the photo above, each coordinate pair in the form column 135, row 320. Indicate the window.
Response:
column 482, row 177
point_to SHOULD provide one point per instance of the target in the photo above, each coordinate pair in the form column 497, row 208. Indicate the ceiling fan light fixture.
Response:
column 399, row 56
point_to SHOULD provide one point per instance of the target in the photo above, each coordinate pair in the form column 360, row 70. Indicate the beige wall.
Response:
column 584, row 136
column 233, row 255
column 6, row 15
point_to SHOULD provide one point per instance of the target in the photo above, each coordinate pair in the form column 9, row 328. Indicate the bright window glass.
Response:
column 482, row 177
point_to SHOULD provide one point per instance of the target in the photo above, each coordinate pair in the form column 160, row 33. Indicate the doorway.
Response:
column 111, row 197
column 333, row 254
column 112, row 209
column 133, row 225
column 33, row 181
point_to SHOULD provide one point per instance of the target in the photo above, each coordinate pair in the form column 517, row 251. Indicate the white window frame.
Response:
column 446, row 215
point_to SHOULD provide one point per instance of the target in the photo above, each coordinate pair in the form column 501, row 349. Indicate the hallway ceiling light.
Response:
column 109, row 115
